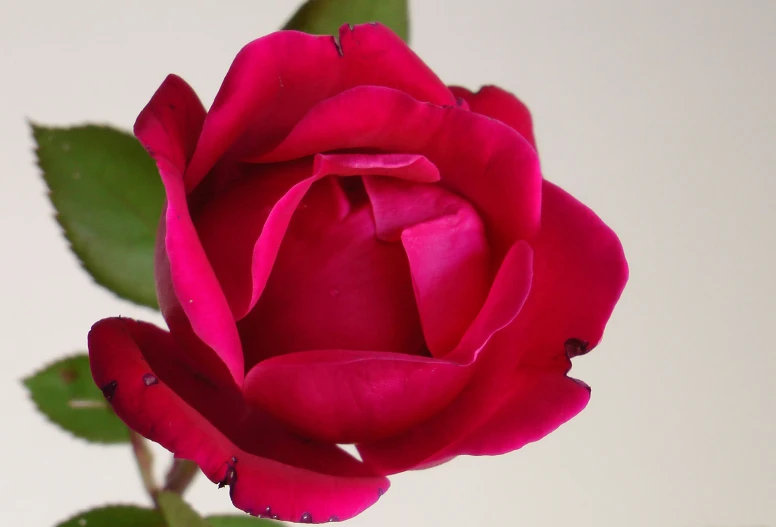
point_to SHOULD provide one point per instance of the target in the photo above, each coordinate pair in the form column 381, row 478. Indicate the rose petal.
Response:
column 345, row 396
column 447, row 251
column 579, row 273
column 167, row 127
column 334, row 286
column 269, row 470
column 480, row 158
column 508, row 293
column 399, row 204
column 274, row 80
column 540, row 402
column 256, row 206
column 243, row 227
column 499, row 104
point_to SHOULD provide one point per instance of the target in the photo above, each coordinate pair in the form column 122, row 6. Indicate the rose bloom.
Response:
column 352, row 252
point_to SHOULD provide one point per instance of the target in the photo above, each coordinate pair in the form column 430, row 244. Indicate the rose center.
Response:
column 334, row 285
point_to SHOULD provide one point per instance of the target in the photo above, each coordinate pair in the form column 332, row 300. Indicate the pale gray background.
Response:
column 658, row 114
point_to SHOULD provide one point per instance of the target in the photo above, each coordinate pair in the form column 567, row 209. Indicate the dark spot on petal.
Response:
column 230, row 477
column 338, row 45
column 575, row 347
column 149, row 379
column 109, row 390
column 459, row 101
column 306, row 518
column 171, row 106
column 380, row 492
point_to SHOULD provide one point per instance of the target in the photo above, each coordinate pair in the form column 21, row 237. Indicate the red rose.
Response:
column 352, row 252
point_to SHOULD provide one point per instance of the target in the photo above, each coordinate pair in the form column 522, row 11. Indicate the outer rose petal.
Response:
column 345, row 396
column 579, row 274
column 499, row 104
column 167, row 128
column 276, row 79
column 269, row 470
column 482, row 159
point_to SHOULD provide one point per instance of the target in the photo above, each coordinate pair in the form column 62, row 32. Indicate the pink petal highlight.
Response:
column 500, row 177
column 345, row 396
column 502, row 105
column 163, row 129
column 276, row 79
column 408, row 167
column 269, row 470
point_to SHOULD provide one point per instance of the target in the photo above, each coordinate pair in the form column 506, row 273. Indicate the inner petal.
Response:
column 449, row 257
column 334, row 285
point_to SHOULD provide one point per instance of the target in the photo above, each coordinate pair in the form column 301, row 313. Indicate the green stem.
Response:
column 145, row 463
column 181, row 474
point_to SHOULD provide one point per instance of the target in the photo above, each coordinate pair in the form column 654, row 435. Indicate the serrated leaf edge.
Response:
column 31, row 397
column 93, row 274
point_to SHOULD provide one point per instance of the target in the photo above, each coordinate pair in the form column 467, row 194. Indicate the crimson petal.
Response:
column 477, row 157
column 269, row 470
column 447, row 250
column 190, row 297
column 346, row 396
column 243, row 228
column 579, row 274
column 276, row 79
column 502, row 105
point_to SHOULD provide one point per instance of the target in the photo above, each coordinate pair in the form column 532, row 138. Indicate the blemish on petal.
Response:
column 149, row 379
column 333, row 519
column 230, row 477
column 338, row 45
column 306, row 518
column 109, row 390
column 575, row 347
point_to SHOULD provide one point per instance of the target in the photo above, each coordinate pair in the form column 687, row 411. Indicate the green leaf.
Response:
column 240, row 521
column 108, row 197
column 324, row 17
column 177, row 512
column 65, row 392
column 116, row 516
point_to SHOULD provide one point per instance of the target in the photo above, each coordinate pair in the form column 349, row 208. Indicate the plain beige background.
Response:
column 658, row 114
